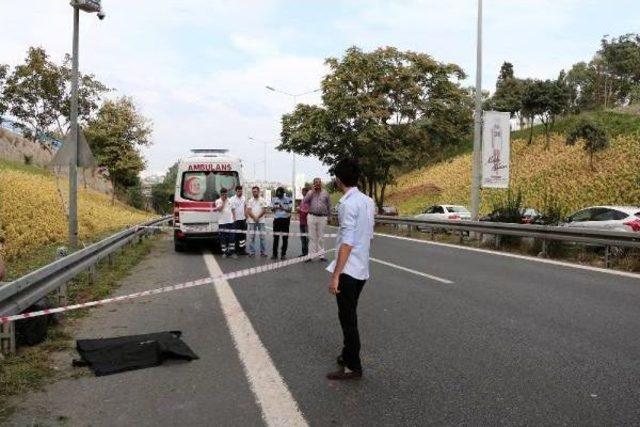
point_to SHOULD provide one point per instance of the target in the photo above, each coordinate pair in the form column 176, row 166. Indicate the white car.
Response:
column 445, row 213
column 613, row 218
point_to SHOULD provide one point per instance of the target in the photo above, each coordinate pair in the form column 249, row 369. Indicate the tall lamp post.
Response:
column 476, row 168
column 293, row 96
column 90, row 6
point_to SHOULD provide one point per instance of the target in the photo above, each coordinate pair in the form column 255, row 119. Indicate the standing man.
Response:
column 281, row 205
column 255, row 211
column 303, row 211
column 225, row 222
column 350, row 269
column 238, row 204
column 319, row 211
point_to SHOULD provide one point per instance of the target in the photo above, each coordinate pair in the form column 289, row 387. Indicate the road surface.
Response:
column 450, row 336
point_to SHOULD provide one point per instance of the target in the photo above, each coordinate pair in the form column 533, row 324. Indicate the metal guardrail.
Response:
column 22, row 293
column 542, row 232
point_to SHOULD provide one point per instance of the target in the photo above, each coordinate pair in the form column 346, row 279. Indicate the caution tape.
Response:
column 186, row 285
column 238, row 231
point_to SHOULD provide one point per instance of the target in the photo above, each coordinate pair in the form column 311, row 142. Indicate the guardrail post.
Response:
column 544, row 248
column 433, row 234
column 7, row 338
column 409, row 230
column 607, row 256
column 497, row 241
column 461, row 234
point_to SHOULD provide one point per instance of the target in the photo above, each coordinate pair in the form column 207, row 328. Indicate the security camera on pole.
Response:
column 90, row 6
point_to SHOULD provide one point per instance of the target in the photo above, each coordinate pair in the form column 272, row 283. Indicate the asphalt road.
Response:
column 484, row 340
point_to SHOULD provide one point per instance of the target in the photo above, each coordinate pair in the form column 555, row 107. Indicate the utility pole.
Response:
column 73, row 162
column 90, row 6
column 476, row 169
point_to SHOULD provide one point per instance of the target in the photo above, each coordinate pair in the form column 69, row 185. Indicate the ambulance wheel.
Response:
column 179, row 246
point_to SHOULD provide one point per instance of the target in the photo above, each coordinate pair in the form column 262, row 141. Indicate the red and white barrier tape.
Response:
column 205, row 281
column 237, row 231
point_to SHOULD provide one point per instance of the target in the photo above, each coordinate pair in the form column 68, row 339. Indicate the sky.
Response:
column 198, row 68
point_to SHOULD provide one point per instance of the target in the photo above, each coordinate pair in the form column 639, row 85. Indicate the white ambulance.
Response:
column 198, row 184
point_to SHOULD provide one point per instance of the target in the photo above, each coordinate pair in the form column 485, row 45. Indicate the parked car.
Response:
column 388, row 210
column 523, row 216
column 445, row 213
column 613, row 218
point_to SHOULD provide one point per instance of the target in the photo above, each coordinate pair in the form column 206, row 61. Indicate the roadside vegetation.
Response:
column 33, row 215
column 31, row 367
column 543, row 174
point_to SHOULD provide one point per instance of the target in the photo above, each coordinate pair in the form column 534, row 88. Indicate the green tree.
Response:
column 115, row 135
column 594, row 136
column 544, row 99
column 622, row 58
column 38, row 94
column 162, row 191
column 387, row 108
column 33, row 91
column 509, row 93
column 90, row 92
column 4, row 71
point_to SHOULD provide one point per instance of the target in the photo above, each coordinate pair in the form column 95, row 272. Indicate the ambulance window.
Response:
column 205, row 186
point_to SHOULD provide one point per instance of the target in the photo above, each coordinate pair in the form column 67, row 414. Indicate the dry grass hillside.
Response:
column 561, row 173
column 33, row 212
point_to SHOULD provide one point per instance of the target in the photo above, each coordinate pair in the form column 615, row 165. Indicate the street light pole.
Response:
column 91, row 6
column 73, row 161
column 476, row 168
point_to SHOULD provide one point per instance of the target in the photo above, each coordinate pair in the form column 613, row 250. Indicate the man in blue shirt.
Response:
column 281, row 205
column 350, row 269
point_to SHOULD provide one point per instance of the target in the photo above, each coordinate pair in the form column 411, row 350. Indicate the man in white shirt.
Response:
column 238, row 204
column 255, row 211
column 350, row 269
column 226, row 219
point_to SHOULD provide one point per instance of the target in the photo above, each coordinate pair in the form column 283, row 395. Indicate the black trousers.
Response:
column 282, row 225
column 241, row 239
column 347, row 298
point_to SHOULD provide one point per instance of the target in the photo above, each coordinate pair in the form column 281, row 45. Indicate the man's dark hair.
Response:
column 238, row 187
column 348, row 172
column 223, row 190
column 255, row 187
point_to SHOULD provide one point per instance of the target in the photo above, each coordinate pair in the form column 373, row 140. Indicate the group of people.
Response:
column 239, row 214
column 350, row 268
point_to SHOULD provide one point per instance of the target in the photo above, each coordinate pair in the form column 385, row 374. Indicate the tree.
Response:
column 621, row 57
column 387, row 108
column 594, row 137
column 509, row 92
column 90, row 91
column 38, row 94
column 115, row 135
column 161, row 192
column 33, row 91
column 546, row 100
column 4, row 71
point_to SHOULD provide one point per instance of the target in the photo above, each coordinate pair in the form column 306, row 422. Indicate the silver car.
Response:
column 612, row 218
column 445, row 213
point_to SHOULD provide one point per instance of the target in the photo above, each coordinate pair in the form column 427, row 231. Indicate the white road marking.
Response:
column 408, row 270
column 274, row 398
column 517, row 256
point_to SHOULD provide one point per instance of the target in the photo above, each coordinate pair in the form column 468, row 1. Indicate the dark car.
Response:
column 522, row 216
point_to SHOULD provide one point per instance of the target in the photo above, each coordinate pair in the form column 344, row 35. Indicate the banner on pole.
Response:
column 496, row 146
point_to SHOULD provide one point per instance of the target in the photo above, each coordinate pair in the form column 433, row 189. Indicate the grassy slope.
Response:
column 33, row 215
column 561, row 172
